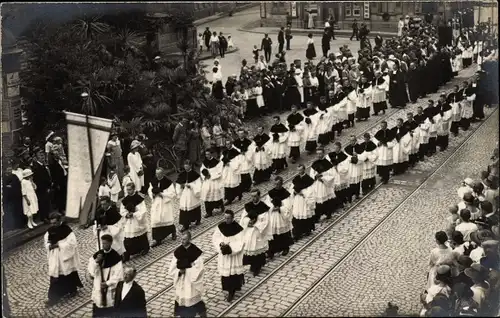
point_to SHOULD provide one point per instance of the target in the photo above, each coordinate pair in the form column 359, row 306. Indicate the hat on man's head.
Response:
column 481, row 236
column 477, row 272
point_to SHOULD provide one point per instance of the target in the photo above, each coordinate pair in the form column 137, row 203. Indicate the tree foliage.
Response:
column 111, row 59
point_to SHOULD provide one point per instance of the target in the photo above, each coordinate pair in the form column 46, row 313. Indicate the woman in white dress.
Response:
column 440, row 255
column 30, row 200
column 134, row 162
column 258, row 94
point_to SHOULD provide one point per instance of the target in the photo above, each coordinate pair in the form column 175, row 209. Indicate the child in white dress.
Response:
column 230, row 43
column 30, row 200
column 114, row 185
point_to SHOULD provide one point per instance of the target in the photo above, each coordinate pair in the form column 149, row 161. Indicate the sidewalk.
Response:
column 338, row 32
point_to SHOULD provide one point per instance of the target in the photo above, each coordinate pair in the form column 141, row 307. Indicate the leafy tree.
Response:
column 106, row 66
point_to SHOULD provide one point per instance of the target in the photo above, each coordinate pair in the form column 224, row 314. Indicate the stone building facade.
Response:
column 378, row 15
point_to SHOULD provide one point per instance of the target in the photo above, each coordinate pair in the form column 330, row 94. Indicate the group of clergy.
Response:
column 270, row 224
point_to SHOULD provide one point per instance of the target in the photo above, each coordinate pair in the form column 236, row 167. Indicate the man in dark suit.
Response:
column 355, row 32
column 288, row 36
column 325, row 42
column 43, row 182
column 130, row 299
column 281, row 39
column 266, row 46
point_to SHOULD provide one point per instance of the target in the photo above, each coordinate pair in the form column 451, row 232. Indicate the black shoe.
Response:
column 198, row 222
column 285, row 252
column 174, row 236
column 230, row 296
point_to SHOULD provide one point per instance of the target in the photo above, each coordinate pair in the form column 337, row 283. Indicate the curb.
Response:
column 236, row 49
column 222, row 15
column 338, row 33
column 22, row 237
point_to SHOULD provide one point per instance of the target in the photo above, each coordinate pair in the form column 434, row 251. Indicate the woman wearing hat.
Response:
column 115, row 158
column 134, row 161
column 30, row 200
column 310, row 51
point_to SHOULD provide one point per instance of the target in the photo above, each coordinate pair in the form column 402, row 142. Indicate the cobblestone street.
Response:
column 361, row 284
column 391, row 264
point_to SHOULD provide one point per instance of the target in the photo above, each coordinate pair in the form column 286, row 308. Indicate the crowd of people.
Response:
column 34, row 183
column 464, row 267
column 334, row 95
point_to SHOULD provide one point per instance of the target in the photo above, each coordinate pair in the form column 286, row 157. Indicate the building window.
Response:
column 356, row 10
column 347, row 11
column 418, row 7
column 279, row 8
column 375, row 7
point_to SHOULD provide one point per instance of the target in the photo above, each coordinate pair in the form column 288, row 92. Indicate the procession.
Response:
column 268, row 179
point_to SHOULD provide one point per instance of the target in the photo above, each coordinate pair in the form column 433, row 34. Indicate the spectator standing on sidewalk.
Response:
column 206, row 36
column 214, row 44
column 266, row 46
column 180, row 140
column 222, row 44
column 325, row 42
column 43, row 182
column 288, row 36
column 281, row 39
column 355, row 32
column 331, row 22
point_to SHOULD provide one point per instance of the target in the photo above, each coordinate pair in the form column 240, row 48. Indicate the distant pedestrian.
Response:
column 230, row 44
column 310, row 51
column 325, row 43
column 401, row 25
column 288, row 36
column 206, row 36
column 281, row 39
column 331, row 22
column 43, row 182
column 180, row 139
column 214, row 44
column 266, row 46
column 255, row 53
column 355, row 30
column 12, row 212
column 222, row 44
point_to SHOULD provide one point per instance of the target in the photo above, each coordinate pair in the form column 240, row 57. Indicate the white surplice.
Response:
column 112, row 275
column 64, row 259
column 162, row 207
column 188, row 286
column 189, row 198
column 137, row 224
column 231, row 264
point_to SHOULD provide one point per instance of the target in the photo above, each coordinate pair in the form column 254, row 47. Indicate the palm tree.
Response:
column 90, row 27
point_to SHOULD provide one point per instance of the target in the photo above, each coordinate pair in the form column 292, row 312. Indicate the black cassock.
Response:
column 193, row 215
column 397, row 89
column 64, row 284
column 294, row 120
column 185, row 258
column 231, row 193
column 311, row 145
column 414, row 84
column 256, row 262
column 302, row 227
column 231, row 283
column 324, row 208
column 161, row 232
column 246, row 180
column 138, row 244
column 260, row 176
column 280, row 242
column 292, row 94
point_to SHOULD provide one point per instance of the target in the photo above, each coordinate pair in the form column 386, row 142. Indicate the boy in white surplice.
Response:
column 188, row 188
column 162, row 194
column 256, row 232
column 62, row 253
column 186, row 269
column 106, row 269
column 228, row 241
